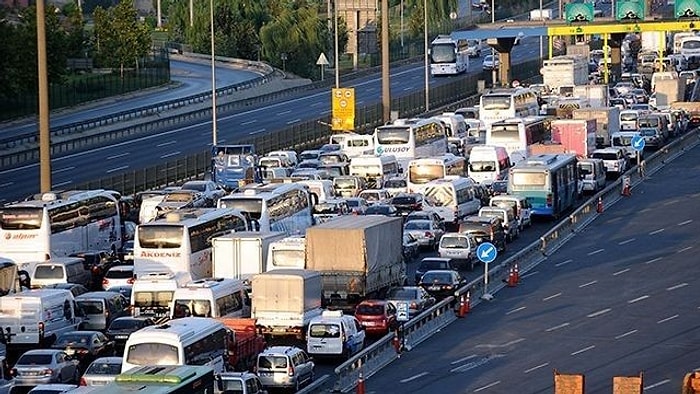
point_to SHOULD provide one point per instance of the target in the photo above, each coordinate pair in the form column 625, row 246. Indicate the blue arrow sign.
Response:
column 486, row 252
column 638, row 142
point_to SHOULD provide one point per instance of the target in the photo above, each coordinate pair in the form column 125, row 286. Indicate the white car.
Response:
column 119, row 275
column 490, row 62
column 210, row 190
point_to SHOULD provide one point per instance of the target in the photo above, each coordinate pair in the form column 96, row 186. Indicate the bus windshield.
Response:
column 495, row 102
column 482, row 166
column 442, row 53
column 425, row 173
column 393, row 135
column 21, row 218
column 160, row 237
column 152, row 354
column 252, row 206
column 529, row 179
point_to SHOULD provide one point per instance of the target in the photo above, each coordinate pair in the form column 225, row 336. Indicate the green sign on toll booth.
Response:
column 630, row 10
column 686, row 9
column 579, row 12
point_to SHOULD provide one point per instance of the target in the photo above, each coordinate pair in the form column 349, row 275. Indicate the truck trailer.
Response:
column 243, row 254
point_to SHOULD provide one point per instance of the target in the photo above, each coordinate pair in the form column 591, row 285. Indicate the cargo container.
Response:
column 607, row 122
column 241, row 255
column 577, row 136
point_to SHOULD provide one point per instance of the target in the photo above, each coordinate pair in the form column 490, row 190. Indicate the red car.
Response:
column 377, row 316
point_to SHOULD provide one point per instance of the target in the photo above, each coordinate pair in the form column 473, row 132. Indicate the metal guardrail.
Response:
column 381, row 353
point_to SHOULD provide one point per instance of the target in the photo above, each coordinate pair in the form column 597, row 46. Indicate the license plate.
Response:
column 434, row 288
column 370, row 323
column 267, row 374
column 121, row 337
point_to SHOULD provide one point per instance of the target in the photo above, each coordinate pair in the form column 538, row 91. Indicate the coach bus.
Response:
column 501, row 104
column 448, row 56
column 160, row 380
column 422, row 171
column 517, row 134
column 408, row 139
column 549, row 182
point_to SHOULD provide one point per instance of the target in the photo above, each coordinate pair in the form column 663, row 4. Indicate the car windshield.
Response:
column 98, row 368
column 35, row 359
column 401, row 294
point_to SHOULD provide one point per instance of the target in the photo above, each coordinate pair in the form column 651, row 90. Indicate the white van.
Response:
column 60, row 270
column 335, row 334
column 37, row 317
column 290, row 155
column 488, row 163
column 593, row 174
column 520, row 205
column 353, row 144
column 148, row 210
column 629, row 119
column 460, row 247
column 322, row 188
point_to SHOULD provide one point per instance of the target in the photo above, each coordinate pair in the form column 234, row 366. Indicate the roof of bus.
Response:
column 545, row 161
column 192, row 216
column 266, row 190
column 155, row 379
column 176, row 330
column 371, row 159
column 56, row 199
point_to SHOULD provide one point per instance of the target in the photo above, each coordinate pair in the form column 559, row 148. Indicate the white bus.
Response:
column 353, row 144
column 374, row 169
column 181, row 241
column 408, row 139
column 501, row 104
column 59, row 224
column 517, row 134
column 422, row 171
column 284, row 207
column 453, row 198
column 211, row 297
column 448, row 56
column 186, row 341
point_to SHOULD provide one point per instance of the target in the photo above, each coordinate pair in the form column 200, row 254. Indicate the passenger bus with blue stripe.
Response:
column 549, row 182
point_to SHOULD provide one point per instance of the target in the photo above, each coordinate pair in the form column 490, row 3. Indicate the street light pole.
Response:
column 44, row 114
column 335, row 38
column 213, row 74
column 493, row 51
column 425, row 48
column 401, row 24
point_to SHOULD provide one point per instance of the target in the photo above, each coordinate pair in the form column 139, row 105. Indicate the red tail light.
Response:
column 13, row 372
column 549, row 199
column 414, row 305
column 47, row 371
column 130, row 281
column 95, row 270
column 290, row 371
column 83, row 382
column 428, row 234
column 105, row 282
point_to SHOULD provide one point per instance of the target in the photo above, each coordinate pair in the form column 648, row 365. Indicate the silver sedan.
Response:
column 426, row 232
column 43, row 366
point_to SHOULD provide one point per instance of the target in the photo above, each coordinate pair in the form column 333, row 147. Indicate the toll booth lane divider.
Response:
column 381, row 353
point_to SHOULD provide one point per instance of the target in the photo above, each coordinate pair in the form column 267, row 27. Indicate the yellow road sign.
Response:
column 607, row 27
column 343, row 106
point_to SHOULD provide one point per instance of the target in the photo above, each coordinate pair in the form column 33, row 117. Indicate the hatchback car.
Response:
column 416, row 297
column 238, row 383
column 357, row 205
column 375, row 196
column 84, row 346
column 119, row 275
column 433, row 263
column 426, row 232
column 101, row 371
column 377, row 316
column 121, row 327
column 425, row 215
column 44, row 366
column 284, row 367
column 441, row 283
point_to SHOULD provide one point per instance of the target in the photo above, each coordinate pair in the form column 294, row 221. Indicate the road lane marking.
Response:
column 515, row 310
column 284, row 112
column 600, row 312
column 596, row 252
column 583, row 350
column 117, row 156
column 653, row 260
column 588, row 284
column 656, row 231
column 666, row 319
column 294, row 121
column 684, row 249
column 625, row 334
column 62, row 170
column 249, row 122
column 550, row 329
column 621, row 272
column 536, row 367
column 166, row 143
column 117, row 169
column 670, row 202
column 529, row 274
column 644, row 297
column 488, row 386
column 627, row 241
column 655, row 385
column 414, row 377
column 170, row 154
column 685, row 222
column 62, row 184
column 513, row 342
column 256, row 132
column 563, row 263
column 676, row 287
column 463, row 359
column 6, row 184
column 550, row 297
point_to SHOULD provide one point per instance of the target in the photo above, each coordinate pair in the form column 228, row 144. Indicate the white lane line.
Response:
column 414, row 377
column 170, row 154
column 596, row 252
column 600, row 312
column 117, row 169
column 644, row 297
column 358, row 102
column 62, row 170
column 656, row 231
column 676, row 287
column 685, row 222
column 294, row 121
column 621, row 272
column 256, row 132
column 563, row 263
column 7, row 184
column 249, row 122
column 588, row 284
column 670, row 202
column 657, row 384
column 515, row 310
column 652, row 260
column 463, row 359
column 667, row 319
column 550, row 297
column 167, row 143
column 627, row 241
column 326, row 112
column 284, row 112
column 117, row 156
column 529, row 274
column 488, row 386
column 625, row 334
column 535, row 368
column 684, row 249
column 62, row 184
column 583, row 350
column 513, row 342
column 550, row 329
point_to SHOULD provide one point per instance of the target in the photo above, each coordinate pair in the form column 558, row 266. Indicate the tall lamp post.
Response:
column 213, row 74
column 493, row 51
column 425, row 49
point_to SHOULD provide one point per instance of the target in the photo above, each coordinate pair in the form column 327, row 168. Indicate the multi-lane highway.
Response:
column 617, row 300
column 77, row 167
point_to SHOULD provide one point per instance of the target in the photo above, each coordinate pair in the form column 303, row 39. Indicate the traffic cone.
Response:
column 626, row 187
column 360, row 384
column 511, row 277
column 466, row 307
column 599, row 207
column 397, row 343
column 516, row 274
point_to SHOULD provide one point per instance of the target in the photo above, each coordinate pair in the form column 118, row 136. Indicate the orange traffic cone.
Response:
column 626, row 187
column 466, row 307
column 599, row 207
column 463, row 308
column 511, row 277
column 516, row 274
column 360, row 384
column 397, row 343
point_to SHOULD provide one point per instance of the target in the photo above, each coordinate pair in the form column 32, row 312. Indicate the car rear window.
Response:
column 104, row 369
column 436, row 278
column 119, row 274
column 270, row 362
column 48, row 272
column 403, row 200
column 324, row 330
column 35, row 359
column 125, row 324
column 432, row 265
column 372, row 310
column 91, row 307
column 401, row 294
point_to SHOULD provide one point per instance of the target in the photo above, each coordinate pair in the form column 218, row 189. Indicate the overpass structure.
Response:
column 501, row 36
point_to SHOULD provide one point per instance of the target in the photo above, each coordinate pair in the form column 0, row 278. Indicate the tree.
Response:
column 120, row 39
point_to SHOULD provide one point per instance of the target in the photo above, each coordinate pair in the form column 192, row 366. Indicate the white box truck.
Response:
column 284, row 301
column 566, row 70
column 243, row 254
